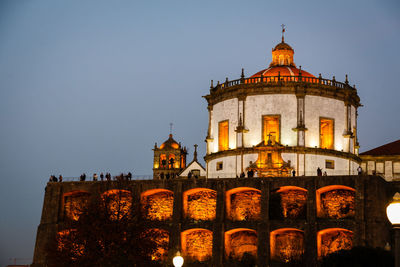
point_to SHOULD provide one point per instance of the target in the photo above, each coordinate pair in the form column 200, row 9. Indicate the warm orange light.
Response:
column 326, row 132
column 287, row 244
column 200, row 204
column 119, row 203
column 157, row 204
column 75, row 203
column 240, row 241
column 271, row 128
column 293, row 201
column 335, row 201
column 65, row 240
column 197, row 244
column 332, row 240
column 243, row 203
column 223, row 135
column 161, row 238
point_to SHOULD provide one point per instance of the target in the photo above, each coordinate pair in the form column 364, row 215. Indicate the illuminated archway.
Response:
column 197, row 244
column 288, row 202
column 243, row 203
column 157, row 204
column 333, row 239
column 287, row 244
column 161, row 238
column 118, row 203
column 335, row 201
column 75, row 203
column 240, row 241
column 200, row 204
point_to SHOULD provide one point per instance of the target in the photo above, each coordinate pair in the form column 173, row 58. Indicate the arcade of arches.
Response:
column 242, row 204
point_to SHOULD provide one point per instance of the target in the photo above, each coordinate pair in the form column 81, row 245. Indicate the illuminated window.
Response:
column 271, row 125
column 329, row 164
column 223, row 135
column 220, row 165
column 326, row 133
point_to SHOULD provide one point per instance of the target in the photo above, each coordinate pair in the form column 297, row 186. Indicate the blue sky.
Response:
column 90, row 86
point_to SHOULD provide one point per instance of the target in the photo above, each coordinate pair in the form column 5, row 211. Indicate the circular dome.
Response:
column 282, row 46
column 169, row 144
column 282, row 71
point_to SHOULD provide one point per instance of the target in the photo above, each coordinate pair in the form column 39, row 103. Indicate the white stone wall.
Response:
column 312, row 162
column 283, row 105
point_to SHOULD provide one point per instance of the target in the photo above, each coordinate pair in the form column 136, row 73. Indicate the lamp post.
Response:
column 393, row 214
column 178, row 260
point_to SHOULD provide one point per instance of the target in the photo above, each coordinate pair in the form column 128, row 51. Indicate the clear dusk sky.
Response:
column 90, row 86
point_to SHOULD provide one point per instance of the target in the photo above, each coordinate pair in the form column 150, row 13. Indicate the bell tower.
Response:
column 169, row 159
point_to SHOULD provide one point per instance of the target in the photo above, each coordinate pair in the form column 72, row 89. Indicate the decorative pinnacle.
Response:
column 242, row 76
column 211, row 84
column 283, row 31
column 347, row 80
column 195, row 153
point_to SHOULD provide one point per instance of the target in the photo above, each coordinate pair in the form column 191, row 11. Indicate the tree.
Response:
column 106, row 234
column 359, row 257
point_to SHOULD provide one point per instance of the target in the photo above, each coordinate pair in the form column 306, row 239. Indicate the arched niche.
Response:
column 333, row 239
column 197, row 244
column 66, row 241
column 335, row 201
column 240, row 241
column 200, row 204
column 118, row 203
column 161, row 239
column 287, row 244
column 157, row 204
column 75, row 203
column 243, row 204
column 288, row 202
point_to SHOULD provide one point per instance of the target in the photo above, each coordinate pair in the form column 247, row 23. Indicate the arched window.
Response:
column 157, row 204
column 200, row 204
column 197, row 244
column 243, row 203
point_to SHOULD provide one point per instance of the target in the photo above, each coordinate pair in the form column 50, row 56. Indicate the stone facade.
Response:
column 284, row 222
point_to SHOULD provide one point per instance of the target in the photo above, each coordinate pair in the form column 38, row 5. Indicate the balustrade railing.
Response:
column 283, row 79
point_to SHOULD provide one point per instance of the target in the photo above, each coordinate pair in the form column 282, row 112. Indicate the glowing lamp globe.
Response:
column 177, row 260
column 393, row 210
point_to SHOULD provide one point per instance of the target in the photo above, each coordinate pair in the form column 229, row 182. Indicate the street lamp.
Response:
column 178, row 260
column 393, row 214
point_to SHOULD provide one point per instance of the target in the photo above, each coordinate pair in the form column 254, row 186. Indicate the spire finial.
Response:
column 195, row 153
column 283, row 31
column 170, row 128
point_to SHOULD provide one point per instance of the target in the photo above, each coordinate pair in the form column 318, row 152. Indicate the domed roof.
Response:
column 282, row 71
column 282, row 46
column 169, row 144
